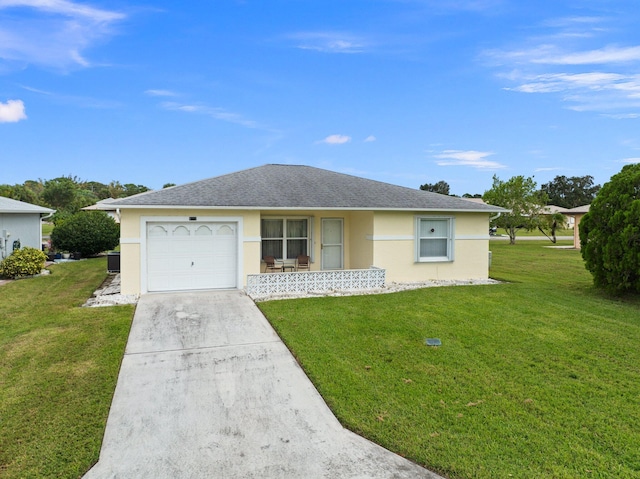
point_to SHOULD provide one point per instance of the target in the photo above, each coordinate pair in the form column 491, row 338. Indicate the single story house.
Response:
column 20, row 225
column 215, row 233
column 576, row 214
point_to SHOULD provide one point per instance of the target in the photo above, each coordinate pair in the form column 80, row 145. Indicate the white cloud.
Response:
column 336, row 139
column 213, row 112
column 160, row 93
column 329, row 42
column 55, row 34
column 592, row 57
column 623, row 116
column 631, row 160
column 472, row 158
column 550, row 168
column 561, row 61
column 370, row 138
column 64, row 7
column 12, row 111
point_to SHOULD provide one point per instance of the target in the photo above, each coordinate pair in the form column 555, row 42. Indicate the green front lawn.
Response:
column 47, row 228
column 536, row 378
column 58, row 369
column 536, row 232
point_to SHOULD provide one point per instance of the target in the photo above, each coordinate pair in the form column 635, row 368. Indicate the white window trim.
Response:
column 285, row 218
column 450, row 239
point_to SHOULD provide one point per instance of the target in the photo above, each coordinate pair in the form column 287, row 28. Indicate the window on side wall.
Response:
column 434, row 238
column 284, row 238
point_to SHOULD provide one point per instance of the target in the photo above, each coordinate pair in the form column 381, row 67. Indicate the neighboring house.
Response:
column 104, row 205
column 20, row 224
column 214, row 233
column 553, row 209
column 576, row 214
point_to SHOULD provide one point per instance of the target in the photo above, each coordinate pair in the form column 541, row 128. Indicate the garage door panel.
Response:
column 184, row 256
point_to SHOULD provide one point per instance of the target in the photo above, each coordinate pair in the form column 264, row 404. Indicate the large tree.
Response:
column 441, row 187
column 610, row 233
column 518, row 194
column 571, row 192
column 60, row 193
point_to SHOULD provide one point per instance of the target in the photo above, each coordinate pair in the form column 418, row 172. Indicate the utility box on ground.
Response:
column 113, row 262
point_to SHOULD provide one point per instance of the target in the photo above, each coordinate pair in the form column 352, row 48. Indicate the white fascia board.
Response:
column 304, row 208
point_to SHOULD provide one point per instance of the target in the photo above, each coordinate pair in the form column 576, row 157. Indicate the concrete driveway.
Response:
column 208, row 390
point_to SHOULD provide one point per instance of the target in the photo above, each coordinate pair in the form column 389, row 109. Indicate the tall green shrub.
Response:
column 86, row 232
column 610, row 233
column 22, row 262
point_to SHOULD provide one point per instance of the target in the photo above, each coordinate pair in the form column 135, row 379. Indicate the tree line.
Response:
column 68, row 194
column 527, row 203
column 566, row 192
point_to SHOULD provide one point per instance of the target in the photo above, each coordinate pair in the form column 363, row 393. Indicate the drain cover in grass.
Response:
column 433, row 342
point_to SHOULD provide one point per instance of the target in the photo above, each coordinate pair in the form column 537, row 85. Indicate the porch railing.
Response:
column 268, row 284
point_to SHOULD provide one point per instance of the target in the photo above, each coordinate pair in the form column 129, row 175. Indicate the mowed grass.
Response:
column 58, row 369
column 535, row 232
column 536, row 378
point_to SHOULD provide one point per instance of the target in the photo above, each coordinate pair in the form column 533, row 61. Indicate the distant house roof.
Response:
column 101, row 205
column 475, row 200
column 298, row 187
column 578, row 210
column 552, row 209
column 8, row 205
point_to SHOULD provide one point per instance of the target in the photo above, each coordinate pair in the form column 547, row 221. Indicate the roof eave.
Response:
column 302, row 208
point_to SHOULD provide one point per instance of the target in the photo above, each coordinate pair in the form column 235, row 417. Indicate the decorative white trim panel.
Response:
column 266, row 284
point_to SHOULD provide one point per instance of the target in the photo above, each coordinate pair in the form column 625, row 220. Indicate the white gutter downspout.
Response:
column 42, row 218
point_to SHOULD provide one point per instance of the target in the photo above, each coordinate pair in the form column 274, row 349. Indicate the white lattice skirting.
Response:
column 260, row 285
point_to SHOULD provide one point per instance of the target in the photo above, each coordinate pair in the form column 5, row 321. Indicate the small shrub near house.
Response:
column 22, row 262
column 88, row 233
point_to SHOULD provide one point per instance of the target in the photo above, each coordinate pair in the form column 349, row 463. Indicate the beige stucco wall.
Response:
column 576, row 229
column 381, row 239
column 361, row 245
column 131, row 239
column 394, row 248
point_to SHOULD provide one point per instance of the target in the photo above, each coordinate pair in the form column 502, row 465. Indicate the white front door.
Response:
column 331, row 243
column 185, row 256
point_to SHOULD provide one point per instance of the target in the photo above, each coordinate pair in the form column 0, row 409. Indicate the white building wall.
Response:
column 23, row 227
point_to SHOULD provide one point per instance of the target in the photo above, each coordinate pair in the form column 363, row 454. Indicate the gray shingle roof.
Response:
column 8, row 205
column 298, row 187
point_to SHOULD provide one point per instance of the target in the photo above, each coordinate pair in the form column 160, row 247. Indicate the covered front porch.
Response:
column 335, row 244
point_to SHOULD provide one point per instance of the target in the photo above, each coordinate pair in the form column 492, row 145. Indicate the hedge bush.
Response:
column 23, row 262
column 87, row 233
column 610, row 233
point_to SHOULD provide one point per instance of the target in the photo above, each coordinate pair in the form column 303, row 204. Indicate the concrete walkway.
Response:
column 208, row 390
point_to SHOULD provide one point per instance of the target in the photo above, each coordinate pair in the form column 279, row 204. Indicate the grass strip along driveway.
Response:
column 58, row 369
column 538, row 377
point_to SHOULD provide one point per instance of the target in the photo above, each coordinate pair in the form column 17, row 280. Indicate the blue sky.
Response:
column 402, row 91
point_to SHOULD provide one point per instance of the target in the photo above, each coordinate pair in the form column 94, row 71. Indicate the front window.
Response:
column 434, row 239
column 284, row 238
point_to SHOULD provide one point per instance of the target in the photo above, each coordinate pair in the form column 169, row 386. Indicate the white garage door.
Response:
column 184, row 256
